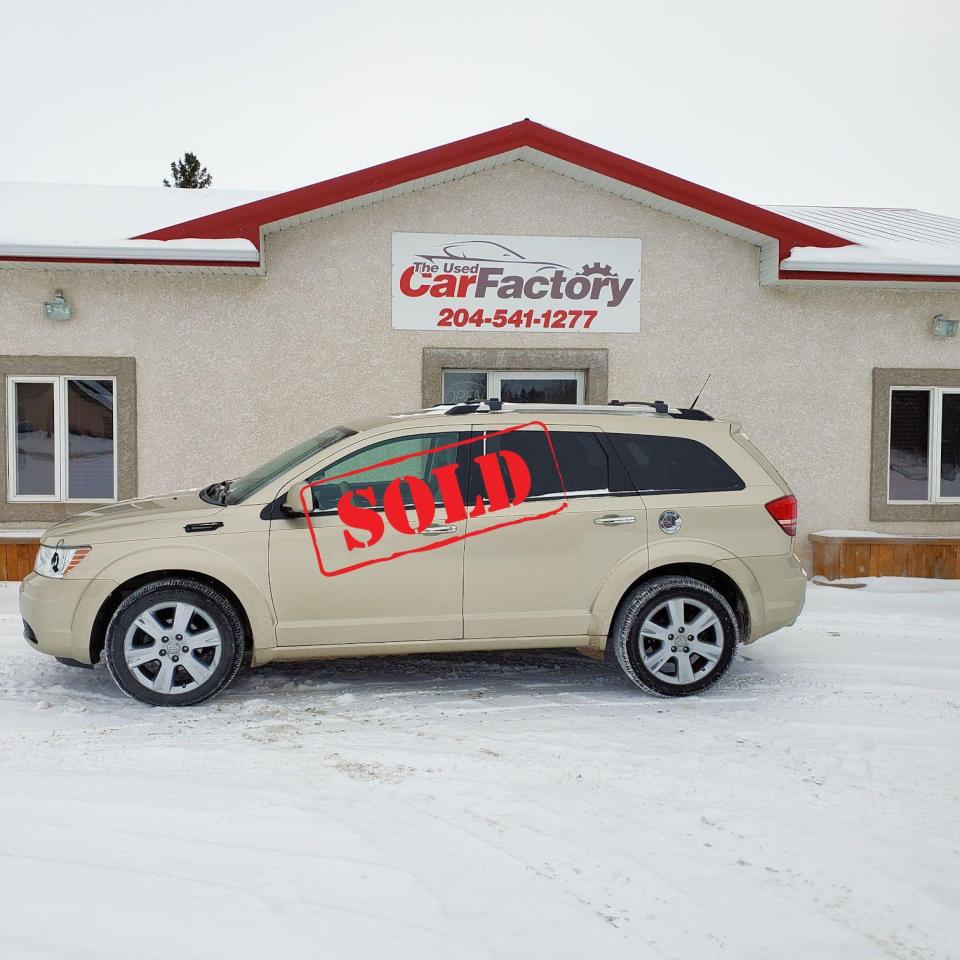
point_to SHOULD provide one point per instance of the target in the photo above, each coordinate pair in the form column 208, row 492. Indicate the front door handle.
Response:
column 615, row 520
column 438, row 529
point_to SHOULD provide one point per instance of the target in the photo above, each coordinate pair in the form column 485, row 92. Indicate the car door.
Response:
column 540, row 578
column 413, row 597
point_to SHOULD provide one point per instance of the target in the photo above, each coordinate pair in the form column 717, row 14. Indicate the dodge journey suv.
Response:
column 658, row 537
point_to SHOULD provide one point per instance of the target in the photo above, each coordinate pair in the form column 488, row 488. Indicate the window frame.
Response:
column 495, row 378
column 916, row 511
column 61, row 438
column 934, row 449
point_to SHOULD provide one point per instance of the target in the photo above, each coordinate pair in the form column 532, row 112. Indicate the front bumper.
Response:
column 60, row 613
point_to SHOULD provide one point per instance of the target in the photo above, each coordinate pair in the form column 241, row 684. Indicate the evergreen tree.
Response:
column 188, row 173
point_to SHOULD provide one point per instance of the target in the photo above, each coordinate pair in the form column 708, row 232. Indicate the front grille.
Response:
column 28, row 632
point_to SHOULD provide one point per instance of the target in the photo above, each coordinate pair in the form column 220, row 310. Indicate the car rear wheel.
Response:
column 675, row 636
column 174, row 642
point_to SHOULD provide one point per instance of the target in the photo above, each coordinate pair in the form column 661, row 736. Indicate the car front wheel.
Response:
column 675, row 636
column 174, row 642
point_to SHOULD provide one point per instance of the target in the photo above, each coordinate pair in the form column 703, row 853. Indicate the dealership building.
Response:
column 156, row 339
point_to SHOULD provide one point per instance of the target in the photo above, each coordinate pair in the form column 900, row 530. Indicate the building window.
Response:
column 923, row 463
column 915, row 448
column 514, row 386
column 61, row 439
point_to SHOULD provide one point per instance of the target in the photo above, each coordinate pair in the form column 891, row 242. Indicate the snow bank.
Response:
column 499, row 805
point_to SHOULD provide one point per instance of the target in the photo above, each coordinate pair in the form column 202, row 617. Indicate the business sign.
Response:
column 578, row 284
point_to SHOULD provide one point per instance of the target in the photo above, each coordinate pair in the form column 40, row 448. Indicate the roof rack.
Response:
column 658, row 406
column 476, row 406
column 494, row 405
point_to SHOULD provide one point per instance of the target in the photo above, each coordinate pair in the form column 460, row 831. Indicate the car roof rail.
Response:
column 474, row 406
column 658, row 406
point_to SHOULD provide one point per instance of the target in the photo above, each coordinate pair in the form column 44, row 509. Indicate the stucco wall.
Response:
column 232, row 369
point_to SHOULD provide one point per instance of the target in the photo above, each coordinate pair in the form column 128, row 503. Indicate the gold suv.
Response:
column 657, row 535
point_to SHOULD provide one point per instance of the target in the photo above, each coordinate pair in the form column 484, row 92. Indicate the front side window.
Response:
column 381, row 463
column 923, row 462
column 61, row 439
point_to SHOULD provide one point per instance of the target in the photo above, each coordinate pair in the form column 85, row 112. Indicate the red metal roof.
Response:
column 247, row 219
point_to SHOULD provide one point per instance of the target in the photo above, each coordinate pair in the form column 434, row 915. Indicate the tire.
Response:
column 661, row 661
column 194, row 632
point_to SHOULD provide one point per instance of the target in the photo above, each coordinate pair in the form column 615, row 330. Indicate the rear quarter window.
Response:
column 658, row 464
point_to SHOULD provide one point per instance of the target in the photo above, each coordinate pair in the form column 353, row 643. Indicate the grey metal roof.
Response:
column 873, row 225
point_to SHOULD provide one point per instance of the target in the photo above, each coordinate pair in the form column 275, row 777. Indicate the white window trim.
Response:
column 495, row 378
column 61, row 439
column 934, row 436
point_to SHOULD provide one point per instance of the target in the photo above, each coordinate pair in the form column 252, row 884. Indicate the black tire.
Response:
column 213, row 606
column 643, row 601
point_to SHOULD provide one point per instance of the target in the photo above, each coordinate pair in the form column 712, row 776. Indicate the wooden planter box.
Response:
column 16, row 557
column 838, row 558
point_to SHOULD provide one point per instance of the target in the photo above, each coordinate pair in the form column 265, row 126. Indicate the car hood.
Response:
column 143, row 518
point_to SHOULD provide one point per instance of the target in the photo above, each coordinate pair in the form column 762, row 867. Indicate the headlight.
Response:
column 59, row 560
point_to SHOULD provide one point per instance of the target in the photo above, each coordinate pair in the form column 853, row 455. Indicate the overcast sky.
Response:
column 842, row 102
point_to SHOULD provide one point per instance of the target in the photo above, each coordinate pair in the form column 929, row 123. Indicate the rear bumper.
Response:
column 783, row 586
column 59, row 614
column 774, row 587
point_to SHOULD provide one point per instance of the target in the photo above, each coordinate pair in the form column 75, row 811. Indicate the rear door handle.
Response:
column 615, row 520
column 438, row 529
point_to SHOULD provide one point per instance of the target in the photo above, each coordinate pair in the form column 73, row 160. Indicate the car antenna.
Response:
column 697, row 397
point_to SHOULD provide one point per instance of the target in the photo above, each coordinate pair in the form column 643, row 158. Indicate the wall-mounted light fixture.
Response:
column 942, row 327
column 57, row 308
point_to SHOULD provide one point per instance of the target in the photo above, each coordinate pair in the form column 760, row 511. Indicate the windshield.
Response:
column 238, row 490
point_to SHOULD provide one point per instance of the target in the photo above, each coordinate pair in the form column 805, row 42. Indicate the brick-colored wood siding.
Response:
column 16, row 558
column 850, row 557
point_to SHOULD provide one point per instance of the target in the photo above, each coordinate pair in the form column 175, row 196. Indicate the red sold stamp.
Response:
column 370, row 517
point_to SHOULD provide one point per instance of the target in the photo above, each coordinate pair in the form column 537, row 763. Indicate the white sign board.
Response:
column 571, row 284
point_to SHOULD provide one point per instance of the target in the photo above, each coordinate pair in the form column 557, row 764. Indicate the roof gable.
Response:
column 524, row 140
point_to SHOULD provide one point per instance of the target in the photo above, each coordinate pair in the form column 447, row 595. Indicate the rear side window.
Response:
column 673, row 464
column 582, row 459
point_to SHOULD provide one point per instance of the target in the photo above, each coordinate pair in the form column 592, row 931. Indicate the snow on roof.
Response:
column 885, row 240
column 903, row 257
column 69, row 222
column 71, row 213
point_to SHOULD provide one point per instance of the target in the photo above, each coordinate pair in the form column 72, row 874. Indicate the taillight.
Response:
column 784, row 511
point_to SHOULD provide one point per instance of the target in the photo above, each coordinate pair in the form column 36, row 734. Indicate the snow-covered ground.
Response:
column 517, row 806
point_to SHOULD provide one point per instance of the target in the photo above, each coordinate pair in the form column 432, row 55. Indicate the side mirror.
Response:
column 291, row 502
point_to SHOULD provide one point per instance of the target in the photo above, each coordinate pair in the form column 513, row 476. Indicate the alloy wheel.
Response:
column 172, row 647
column 680, row 641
